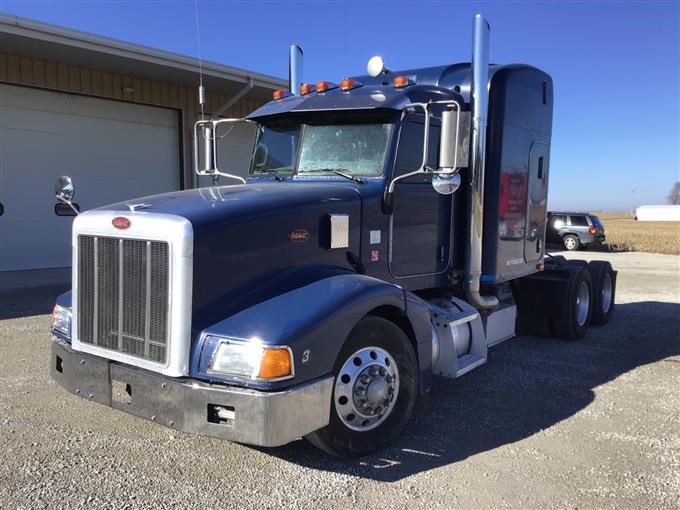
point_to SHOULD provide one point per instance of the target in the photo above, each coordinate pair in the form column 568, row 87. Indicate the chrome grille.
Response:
column 123, row 295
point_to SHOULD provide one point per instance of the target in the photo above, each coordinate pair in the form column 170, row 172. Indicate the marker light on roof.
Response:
column 402, row 81
column 280, row 94
column 306, row 88
column 349, row 84
column 323, row 86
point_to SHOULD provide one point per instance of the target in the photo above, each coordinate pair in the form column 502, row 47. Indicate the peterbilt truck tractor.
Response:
column 391, row 228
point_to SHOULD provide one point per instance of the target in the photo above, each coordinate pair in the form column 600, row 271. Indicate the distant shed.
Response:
column 658, row 213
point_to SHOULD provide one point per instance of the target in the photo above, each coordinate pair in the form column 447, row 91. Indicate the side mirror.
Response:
column 446, row 183
column 64, row 191
column 446, row 179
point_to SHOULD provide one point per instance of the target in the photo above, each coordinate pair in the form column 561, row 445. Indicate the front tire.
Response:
column 571, row 242
column 375, row 390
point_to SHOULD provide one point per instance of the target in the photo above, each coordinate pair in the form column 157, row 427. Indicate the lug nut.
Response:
column 388, row 379
column 359, row 391
column 369, row 410
column 373, row 371
column 382, row 372
column 365, row 379
column 390, row 390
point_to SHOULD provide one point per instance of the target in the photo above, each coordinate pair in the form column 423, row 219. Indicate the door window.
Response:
column 421, row 219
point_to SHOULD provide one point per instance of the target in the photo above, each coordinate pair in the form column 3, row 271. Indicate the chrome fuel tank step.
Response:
column 458, row 338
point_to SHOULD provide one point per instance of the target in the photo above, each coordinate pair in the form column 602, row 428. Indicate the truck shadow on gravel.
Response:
column 528, row 384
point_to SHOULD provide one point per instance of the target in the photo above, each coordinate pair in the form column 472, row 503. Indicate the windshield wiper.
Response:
column 339, row 171
column 270, row 172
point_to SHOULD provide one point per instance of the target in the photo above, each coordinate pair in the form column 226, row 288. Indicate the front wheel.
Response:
column 375, row 390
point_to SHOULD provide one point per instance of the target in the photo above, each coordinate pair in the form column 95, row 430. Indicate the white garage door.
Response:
column 113, row 151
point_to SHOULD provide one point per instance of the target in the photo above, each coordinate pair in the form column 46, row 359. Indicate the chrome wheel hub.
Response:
column 366, row 389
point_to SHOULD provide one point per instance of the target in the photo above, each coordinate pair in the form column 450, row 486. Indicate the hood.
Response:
column 255, row 241
column 206, row 208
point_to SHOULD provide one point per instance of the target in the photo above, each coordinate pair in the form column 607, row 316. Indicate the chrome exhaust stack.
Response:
column 479, row 102
column 295, row 70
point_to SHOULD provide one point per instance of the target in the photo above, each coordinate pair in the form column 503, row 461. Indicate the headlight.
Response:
column 61, row 319
column 251, row 360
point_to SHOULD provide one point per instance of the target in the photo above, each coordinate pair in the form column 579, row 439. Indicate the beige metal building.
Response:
column 115, row 116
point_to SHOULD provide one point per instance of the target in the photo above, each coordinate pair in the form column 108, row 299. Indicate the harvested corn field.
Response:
column 626, row 234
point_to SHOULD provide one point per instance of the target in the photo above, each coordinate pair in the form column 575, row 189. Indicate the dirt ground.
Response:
column 544, row 424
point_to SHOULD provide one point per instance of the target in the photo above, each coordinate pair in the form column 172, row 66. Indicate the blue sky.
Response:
column 614, row 65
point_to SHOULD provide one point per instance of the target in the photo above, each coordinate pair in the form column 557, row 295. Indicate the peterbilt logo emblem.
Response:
column 120, row 222
column 299, row 236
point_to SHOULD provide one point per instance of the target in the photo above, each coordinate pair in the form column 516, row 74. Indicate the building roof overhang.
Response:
column 26, row 37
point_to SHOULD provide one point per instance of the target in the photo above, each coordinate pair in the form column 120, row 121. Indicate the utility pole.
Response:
column 632, row 204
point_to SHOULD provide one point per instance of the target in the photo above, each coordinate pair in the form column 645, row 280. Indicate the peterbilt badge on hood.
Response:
column 120, row 222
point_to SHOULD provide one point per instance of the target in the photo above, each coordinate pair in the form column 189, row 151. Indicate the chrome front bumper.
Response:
column 236, row 414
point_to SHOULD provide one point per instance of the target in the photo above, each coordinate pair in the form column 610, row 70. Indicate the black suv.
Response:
column 574, row 230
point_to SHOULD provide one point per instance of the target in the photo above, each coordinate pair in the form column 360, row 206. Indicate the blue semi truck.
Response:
column 391, row 229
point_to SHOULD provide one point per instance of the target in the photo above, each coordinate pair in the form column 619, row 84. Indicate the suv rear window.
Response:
column 596, row 221
column 579, row 221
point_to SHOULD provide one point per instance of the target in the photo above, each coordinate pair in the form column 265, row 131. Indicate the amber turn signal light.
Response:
column 276, row 362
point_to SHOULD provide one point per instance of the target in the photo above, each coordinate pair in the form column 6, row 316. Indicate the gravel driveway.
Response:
column 545, row 423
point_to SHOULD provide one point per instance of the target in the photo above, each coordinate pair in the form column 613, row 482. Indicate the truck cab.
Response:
column 391, row 229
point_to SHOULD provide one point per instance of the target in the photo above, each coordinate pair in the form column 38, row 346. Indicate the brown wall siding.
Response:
column 34, row 72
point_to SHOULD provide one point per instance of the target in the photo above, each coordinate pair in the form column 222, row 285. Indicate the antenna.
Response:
column 201, row 88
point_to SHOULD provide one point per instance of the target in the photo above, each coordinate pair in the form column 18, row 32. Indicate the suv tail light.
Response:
column 592, row 230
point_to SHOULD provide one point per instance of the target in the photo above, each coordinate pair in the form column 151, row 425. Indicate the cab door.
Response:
column 420, row 224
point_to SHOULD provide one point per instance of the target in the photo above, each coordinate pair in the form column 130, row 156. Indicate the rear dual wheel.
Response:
column 604, row 290
column 375, row 390
column 575, row 319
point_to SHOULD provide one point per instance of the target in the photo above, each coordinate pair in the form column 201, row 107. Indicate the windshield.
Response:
column 356, row 149
column 275, row 149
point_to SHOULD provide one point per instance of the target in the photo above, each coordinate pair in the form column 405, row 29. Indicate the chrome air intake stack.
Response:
column 479, row 102
column 295, row 70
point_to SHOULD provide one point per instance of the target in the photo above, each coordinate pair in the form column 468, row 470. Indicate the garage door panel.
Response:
column 35, row 100
column 113, row 151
